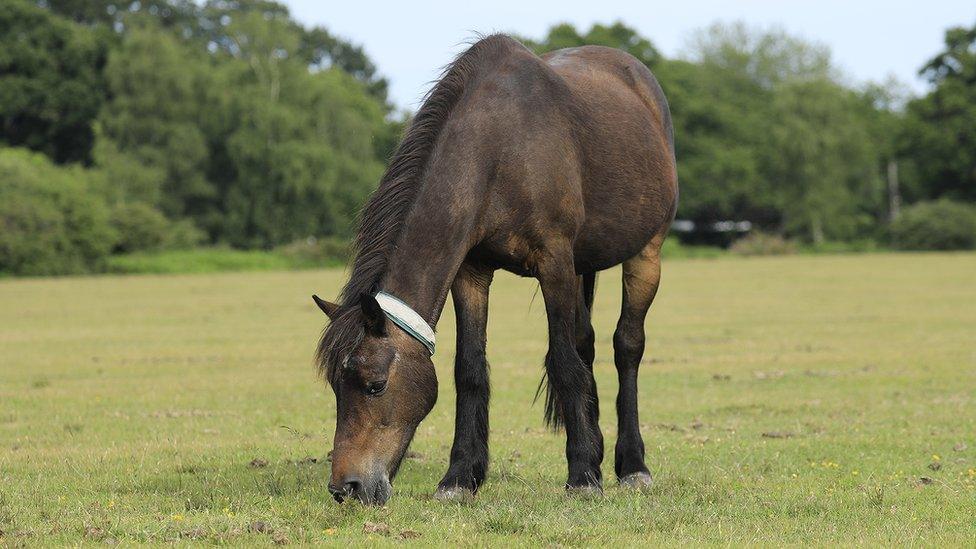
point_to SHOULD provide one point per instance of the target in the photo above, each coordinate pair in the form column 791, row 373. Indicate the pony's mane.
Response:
column 382, row 218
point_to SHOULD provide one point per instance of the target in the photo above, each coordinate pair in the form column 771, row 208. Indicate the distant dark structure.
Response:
column 716, row 233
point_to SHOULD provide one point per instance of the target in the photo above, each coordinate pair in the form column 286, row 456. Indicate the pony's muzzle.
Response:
column 373, row 491
column 344, row 490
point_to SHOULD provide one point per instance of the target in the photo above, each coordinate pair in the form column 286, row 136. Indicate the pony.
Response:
column 553, row 167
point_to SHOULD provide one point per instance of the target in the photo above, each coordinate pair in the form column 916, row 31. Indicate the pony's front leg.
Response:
column 469, row 454
column 570, row 380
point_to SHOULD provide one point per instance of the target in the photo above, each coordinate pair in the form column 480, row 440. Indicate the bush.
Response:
column 936, row 225
column 52, row 221
column 144, row 228
column 760, row 243
column 317, row 252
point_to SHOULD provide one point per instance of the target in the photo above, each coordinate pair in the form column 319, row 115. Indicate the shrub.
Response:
column 317, row 252
column 142, row 227
column 936, row 225
column 52, row 221
column 760, row 243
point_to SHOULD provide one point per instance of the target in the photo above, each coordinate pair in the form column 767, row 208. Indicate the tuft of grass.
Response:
column 793, row 400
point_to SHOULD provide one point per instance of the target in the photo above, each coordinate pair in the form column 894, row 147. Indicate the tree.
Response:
column 939, row 136
column 296, row 151
column 50, row 82
column 158, row 89
column 617, row 35
column 821, row 160
column 721, row 119
column 768, row 57
column 322, row 50
column 114, row 12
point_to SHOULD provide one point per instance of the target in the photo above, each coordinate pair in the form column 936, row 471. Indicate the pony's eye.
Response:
column 376, row 388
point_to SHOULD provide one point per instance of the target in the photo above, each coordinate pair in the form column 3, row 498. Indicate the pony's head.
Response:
column 384, row 383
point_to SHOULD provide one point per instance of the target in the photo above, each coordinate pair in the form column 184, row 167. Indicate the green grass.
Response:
column 214, row 260
column 199, row 260
column 131, row 408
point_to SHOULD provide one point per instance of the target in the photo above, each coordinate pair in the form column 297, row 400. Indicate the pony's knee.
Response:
column 586, row 343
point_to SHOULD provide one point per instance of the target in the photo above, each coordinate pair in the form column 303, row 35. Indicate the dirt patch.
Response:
column 380, row 528
column 258, row 463
column 195, row 533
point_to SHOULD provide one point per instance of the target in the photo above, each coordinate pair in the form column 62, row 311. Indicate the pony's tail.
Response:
column 553, row 411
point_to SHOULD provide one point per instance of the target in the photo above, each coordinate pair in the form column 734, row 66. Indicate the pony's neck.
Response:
column 440, row 229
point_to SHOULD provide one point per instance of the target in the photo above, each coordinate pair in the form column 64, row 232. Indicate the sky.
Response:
column 410, row 41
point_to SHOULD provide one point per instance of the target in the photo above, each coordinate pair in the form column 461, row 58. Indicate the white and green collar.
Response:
column 406, row 318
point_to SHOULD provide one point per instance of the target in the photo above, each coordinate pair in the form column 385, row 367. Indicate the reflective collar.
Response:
column 406, row 318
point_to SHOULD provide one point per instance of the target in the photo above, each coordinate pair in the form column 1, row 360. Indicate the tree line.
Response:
column 132, row 125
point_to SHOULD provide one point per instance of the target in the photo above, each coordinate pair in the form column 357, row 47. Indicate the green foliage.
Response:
column 156, row 87
column 767, row 57
column 231, row 124
column 318, row 252
column 823, row 161
column 140, row 227
column 50, row 82
column 200, row 260
column 760, row 243
column 674, row 249
column 939, row 135
column 299, row 149
column 764, row 133
column 618, row 35
column 721, row 123
column 936, row 225
column 52, row 220
column 245, row 140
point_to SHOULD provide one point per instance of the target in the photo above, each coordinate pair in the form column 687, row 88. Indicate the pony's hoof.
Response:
column 586, row 491
column 637, row 481
column 454, row 494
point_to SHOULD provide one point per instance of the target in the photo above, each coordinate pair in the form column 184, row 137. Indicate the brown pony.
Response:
column 554, row 168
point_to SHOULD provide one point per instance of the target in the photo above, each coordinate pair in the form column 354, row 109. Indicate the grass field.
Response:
column 813, row 400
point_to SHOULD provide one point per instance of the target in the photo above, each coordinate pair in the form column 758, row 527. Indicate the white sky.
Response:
column 411, row 40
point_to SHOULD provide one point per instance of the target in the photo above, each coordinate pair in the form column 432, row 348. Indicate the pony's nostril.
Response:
column 337, row 493
column 350, row 488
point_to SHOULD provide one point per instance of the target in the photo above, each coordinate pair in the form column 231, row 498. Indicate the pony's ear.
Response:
column 327, row 307
column 373, row 315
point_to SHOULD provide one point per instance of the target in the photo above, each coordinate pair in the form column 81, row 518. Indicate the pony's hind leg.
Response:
column 641, row 276
column 586, row 347
column 469, row 454
column 570, row 380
